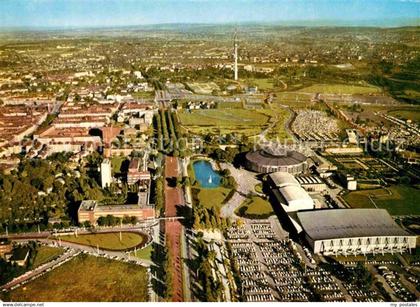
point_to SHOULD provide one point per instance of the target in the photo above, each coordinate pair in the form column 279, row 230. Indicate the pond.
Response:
column 205, row 174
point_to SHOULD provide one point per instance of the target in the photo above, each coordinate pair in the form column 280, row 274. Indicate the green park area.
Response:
column 345, row 89
column 87, row 279
column 240, row 121
column 254, row 208
column 278, row 118
column 246, row 122
column 397, row 199
column 109, row 241
column 263, row 84
column 144, row 253
column 211, row 198
column 46, row 254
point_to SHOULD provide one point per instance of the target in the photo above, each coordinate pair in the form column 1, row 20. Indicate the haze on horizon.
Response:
column 106, row 13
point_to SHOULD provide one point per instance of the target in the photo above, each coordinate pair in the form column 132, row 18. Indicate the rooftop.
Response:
column 281, row 179
column 349, row 223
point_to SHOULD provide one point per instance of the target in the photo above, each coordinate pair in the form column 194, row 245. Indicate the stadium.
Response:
column 354, row 232
column 273, row 159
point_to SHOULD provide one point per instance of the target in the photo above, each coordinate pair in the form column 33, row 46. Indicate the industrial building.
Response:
column 354, row 232
column 348, row 181
column 272, row 159
column 311, row 183
column 91, row 210
column 288, row 192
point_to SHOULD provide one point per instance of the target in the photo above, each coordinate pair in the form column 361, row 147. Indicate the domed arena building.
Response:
column 276, row 159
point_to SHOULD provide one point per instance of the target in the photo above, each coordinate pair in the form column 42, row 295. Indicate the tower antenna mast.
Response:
column 235, row 55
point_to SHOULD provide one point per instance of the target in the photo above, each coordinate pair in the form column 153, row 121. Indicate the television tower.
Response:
column 235, row 56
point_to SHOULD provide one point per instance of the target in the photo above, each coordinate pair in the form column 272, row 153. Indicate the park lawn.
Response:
column 110, row 241
column 222, row 118
column 144, row 254
column 46, row 254
column 254, row 207
column 281, row 115
column 294, row 99
column 405, row 200
column 87, row 279
column 212, row 198
column 340, row 89
column 262, row 84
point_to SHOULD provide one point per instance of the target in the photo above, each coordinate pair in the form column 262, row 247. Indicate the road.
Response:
column 40, row 270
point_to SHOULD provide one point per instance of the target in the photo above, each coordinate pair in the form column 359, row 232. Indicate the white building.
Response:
column 354, row 232
column 288, row 192
column 106, row 176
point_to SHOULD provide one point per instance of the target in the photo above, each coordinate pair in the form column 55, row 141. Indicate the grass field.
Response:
column 247, row 122
column 116, row 163
column 340, row 89
column 144, row 95
column 212, row 198
column 145, row 253
column 110, row 241
column 403, row 200
column 296, row 100
column 262, row 84
column 281, row 116
column 87, row 279
column 46, row 254
column 254, row 207
column 222, row 118
column 413, row 114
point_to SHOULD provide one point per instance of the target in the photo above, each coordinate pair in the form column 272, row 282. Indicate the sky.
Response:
column 99, row 13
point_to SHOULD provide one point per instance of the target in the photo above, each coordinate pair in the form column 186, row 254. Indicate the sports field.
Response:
column 340, row 89
column 46, row 254
column 255, row 207
column 87, row 279
column 398, row 200
column 110, row 241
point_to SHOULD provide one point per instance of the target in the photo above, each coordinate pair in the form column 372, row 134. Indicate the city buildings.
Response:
column 106, row 173
column 91, row 210
column 137, row 172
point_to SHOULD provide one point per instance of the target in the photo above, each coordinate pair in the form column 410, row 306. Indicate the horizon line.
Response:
column 327, row 23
